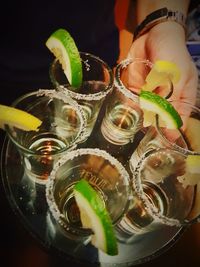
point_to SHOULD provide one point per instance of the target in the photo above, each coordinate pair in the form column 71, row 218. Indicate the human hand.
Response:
column 166, row 41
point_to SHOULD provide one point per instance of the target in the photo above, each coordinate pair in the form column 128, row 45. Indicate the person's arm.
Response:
column 145, row 11
column 165, row 40
column 145, row 7
column 139, row 9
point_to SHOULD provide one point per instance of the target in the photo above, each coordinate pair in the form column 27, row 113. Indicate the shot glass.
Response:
column 184, row 139
column 161, row 196
column 106, row 175
column 61, row 130
column 123, row 116
column 97, row 83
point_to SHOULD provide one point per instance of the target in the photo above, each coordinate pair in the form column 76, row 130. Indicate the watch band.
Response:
column 157, row 17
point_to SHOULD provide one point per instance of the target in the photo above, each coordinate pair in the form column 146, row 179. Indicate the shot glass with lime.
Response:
column 43, row 125
column 83, row 76
column 123, row 116
column 170, row 124
column 166, row 193
column 88, row 193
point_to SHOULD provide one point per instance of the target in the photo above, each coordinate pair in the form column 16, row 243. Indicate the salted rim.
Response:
column 182, row 150
column 52, row 93
column 137, row 184
column 119, row 84
column 69, row 156
column 78, row 96
column 122, row 88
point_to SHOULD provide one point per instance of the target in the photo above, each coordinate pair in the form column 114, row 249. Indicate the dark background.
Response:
column 18, row 248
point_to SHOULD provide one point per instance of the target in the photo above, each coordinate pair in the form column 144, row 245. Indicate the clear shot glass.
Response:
column 96, row 85
column 160, row 195
column 185, row 139
column 62, row 128
column 105, row 174
column 123, row 116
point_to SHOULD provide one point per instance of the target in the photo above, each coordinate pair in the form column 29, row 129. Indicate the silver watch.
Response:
column 157, row 17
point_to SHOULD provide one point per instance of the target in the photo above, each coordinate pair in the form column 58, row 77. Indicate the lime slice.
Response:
column 192, row 133
column 192, row 175
column 62, row 45
column 150, row 119
column 161, row 73
column 153, row 103
column 95, row 216
column 193, row 164
column 18, row 118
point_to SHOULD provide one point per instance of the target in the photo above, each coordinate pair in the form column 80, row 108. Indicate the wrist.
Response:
column 158, row 17
column 169, row 29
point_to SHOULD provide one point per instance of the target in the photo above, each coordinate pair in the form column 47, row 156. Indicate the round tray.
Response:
column 29, row 203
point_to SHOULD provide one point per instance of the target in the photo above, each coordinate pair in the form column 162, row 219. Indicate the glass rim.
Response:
column 79, row 96
column 51, row 93
column 70, row 156
column 182, row 150
column 123, row 89
column 138, row 189
column 120, row 85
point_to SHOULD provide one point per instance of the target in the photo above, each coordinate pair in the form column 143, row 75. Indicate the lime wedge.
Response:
column 192, row 175
column 62, row 45
column 18, row 118
column 95, row 216
column 153, row 103
column 161, row 73
column 193, row 164
column 192, row 133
